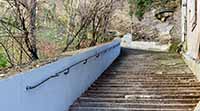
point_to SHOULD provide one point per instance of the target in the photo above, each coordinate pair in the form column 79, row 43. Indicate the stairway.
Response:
column 142, row 81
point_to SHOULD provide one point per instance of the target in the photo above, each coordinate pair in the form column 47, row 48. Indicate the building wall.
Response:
column 190, row 37
column 184, row 19
column 193, row 36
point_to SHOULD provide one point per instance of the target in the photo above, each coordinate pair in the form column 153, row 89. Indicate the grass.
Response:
column 174, row 47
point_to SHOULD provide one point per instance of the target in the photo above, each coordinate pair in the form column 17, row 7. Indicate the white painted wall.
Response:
column 193, row 37
column 58, row 93
column 142, row 45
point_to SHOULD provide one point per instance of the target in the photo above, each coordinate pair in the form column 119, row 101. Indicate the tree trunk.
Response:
column 33, row 30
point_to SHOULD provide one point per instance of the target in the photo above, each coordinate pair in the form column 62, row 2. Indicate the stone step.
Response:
column 137, row 82
column 132, row 105
column 143, row 92
column 128, row 83
column 145, row 85
column 148, row 78
column 163, row 96
column 149, row 81
column 144, row 72
column 147, row 75
column 126, row 109
column 186, row 82
column 145, row 89
column 158, row 81
column 145, row 79
column 140, row 100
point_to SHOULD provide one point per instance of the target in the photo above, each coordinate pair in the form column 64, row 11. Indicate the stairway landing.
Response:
column 143, row 81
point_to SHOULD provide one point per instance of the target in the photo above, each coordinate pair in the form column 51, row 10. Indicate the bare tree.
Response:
column 92, row 16
column 19, row 23
column 18, row 31
column 33, row 47
column 101, row 19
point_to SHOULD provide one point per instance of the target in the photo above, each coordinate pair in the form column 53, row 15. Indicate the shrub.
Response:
column 3, row 60
column 142, row 6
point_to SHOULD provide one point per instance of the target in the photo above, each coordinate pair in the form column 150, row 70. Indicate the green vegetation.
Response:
column 164, row 1
column 131, row 8
column 3, row 60
column 141, row 7
column 175, row 46
column 57, row 27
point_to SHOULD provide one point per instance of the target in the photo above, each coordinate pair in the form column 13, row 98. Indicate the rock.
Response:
column 171, row 64
column 159, row 72
column 126, row 40
column 173, row 4
column 164, row 30
column 2, row 75
column 163, row 14
column 129, row 96
column 138, row 96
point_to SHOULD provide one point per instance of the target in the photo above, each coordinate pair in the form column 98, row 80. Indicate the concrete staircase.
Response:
column 142, row 81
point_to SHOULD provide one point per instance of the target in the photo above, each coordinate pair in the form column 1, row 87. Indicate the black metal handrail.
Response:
column 67, row 70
